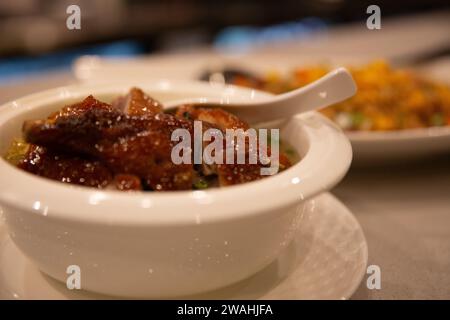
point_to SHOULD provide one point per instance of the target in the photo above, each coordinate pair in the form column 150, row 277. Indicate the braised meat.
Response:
column 128, row 145
column 136, row 102
column 228, row 174
column 68, row 169
column 137, row 145
column 217, row 117
column 79, row 108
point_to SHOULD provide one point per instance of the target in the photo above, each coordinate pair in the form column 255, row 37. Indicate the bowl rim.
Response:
column 324, row 164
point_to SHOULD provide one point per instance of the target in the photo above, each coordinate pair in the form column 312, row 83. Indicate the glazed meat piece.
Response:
column 136, row 102
column 73, row 110
column 217, row 117
column 137, row 145
column 79, row 108
column 211, row 118
column 228, row 174
column 127, row 182
column 66, row 167
column 69, row 169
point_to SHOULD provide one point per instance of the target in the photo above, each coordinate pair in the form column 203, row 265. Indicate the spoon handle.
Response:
column 332, row 88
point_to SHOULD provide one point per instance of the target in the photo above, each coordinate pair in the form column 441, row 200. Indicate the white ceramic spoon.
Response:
column 332, row 88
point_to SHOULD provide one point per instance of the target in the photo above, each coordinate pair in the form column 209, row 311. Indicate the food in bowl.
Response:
column 128, row 145
column 163, row 244
column 387, row 98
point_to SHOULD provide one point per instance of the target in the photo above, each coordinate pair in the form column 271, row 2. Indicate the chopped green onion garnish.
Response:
column 186, row 115
column 357, row 119
column 200, row 184
column 437, row 119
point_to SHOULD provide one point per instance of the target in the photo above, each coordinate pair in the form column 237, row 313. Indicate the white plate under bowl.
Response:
column 327, row 260
column 369, row 148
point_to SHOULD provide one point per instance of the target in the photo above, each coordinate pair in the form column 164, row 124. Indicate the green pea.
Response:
column 200, row 184
column 437, row 119
column 357, row 119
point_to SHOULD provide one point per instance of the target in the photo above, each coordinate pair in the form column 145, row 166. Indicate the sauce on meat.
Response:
column 126, row 145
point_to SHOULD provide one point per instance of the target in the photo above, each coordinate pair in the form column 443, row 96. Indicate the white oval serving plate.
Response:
column 369, row 148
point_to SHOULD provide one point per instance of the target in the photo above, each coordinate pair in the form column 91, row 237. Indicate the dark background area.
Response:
column 35, row 27
column 34, row 36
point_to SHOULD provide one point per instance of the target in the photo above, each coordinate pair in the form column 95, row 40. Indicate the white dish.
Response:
column 326, row 260
column 170, row 243
column 369, row 148
column 379, row 148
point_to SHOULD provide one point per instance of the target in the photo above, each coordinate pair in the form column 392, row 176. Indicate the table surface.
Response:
column 404, row 209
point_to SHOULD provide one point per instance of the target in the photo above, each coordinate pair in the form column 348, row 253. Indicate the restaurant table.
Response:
column 403, row 209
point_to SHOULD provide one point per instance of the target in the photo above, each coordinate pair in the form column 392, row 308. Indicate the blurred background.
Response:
column 35, row 39
column 404, row 213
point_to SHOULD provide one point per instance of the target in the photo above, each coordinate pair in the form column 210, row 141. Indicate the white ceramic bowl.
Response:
column 162, row 244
